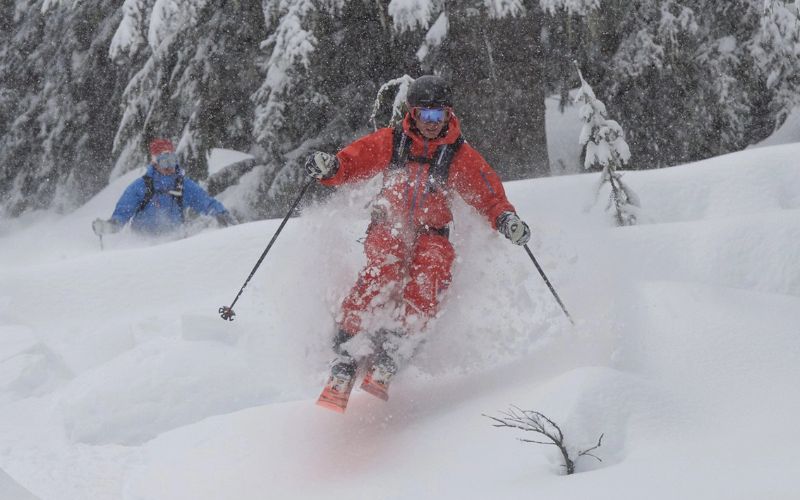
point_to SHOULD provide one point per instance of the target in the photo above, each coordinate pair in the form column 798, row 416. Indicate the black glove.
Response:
column 513, row 228
column 101, row 227
column 320, row 165
column 226, row 219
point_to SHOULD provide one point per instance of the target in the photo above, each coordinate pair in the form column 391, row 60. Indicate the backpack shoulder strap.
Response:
column 177, row 194
column 439, row 164
column 440, row 170
column 177, row 191
column 148, row 193
column 401, row 146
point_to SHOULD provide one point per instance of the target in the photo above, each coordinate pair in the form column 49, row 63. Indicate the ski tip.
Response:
column 330, row 405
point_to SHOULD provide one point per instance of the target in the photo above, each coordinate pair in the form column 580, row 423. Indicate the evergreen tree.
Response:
column 727, row 69
column 197, row 73
column 605, row 148
column 57, row 83
column 85, row 85
column 325, row 65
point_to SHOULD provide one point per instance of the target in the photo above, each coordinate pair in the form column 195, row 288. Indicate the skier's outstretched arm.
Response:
column 359, row 161
column 125, row 209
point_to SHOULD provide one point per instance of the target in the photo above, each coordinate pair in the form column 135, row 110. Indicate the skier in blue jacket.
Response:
column 155, row 202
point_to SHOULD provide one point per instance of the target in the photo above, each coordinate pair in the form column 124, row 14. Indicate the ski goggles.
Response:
column 167, row 161
column 430, row 115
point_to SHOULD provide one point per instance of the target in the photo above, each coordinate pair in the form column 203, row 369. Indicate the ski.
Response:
column 336, row 392
column 381, row 370
column 375, row 387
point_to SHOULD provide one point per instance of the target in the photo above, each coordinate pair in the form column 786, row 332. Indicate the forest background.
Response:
column 85, row 84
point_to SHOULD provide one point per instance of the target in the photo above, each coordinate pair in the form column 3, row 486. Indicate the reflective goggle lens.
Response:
column 431, row 115
column 167, row 160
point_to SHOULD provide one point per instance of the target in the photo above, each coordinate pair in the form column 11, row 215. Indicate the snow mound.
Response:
column 27, row 366
column 11, row 490
column 157, row 386
column 683, row 356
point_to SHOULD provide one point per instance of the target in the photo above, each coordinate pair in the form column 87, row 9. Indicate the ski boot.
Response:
column 384, row 365
column 340, row 383
column 376, row 382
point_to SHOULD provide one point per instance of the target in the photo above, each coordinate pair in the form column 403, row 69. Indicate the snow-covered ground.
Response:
column 119, row 381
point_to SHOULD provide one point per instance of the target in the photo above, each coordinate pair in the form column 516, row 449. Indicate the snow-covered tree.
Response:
column 503, row 58
column 85, row 84
column 727, row 69
column 197, row 70
column 56, row 83
column 605, row 148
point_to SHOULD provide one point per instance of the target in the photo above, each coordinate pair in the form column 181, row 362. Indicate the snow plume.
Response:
column 130, row 34
column 579, row 7
column 410, row 14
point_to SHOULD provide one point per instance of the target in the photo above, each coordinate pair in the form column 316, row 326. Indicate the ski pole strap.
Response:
column 547, row 282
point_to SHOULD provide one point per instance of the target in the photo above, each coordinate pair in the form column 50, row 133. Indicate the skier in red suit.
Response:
column 424, row 163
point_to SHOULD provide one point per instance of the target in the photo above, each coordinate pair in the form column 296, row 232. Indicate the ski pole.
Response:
column 547, row 281
column 101, row 241
column 227, row 312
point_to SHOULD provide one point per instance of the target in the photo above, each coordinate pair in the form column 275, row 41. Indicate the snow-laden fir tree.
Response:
column 57, row 89
column 605, row 148
column 197, row 71
column 503, row 59
column 697, row 78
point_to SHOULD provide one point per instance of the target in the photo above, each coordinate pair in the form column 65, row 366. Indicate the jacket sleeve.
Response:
column 198, row 200
column 364, row 158
column 478, row 184
column 129, row 202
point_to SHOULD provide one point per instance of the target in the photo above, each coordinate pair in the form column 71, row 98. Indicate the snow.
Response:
column 128, row 38
column 219, row 158
column 118, row 380
column 789, row 131
column 435, row 36
column 563, row 130
column 12, row 490
column 410, row 14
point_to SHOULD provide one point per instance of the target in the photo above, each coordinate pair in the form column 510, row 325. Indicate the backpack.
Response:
column 439, row 163
column 149, row 192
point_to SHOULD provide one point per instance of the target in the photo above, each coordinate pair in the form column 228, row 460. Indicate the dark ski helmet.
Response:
column 429, row 91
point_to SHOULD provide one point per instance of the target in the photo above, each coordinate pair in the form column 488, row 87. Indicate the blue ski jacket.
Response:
column 163, row 213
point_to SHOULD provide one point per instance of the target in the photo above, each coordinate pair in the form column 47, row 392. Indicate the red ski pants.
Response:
column 423, row 266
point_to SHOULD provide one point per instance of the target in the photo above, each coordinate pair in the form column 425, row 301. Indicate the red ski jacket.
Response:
column 404, row 194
